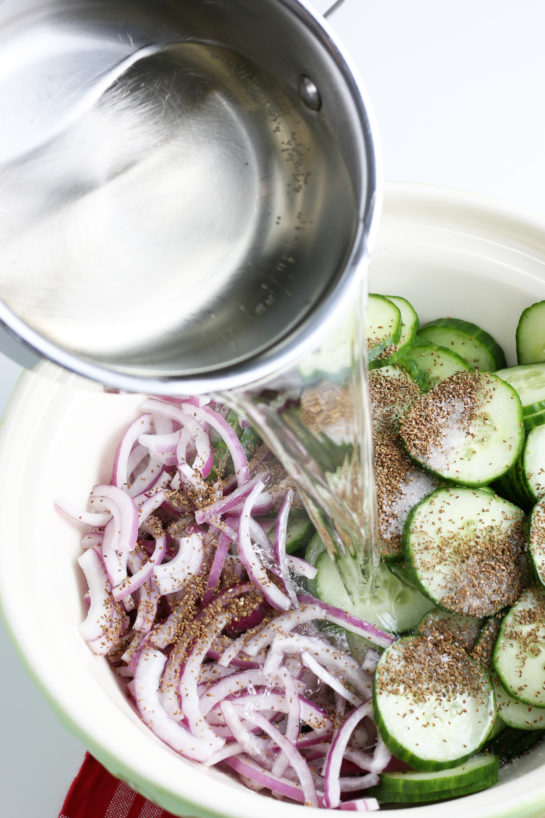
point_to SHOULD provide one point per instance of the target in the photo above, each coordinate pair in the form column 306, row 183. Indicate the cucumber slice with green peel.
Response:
column 394, row 606
column 476, row 346
column 474, row 775
column 434, row 704
column 428, row 363
column 514, row 713
column 529, row 382
column 468, row 429
column 498, row 727
column 463, row 629
column 299, row 531
column 519, row 653
column 465, row 548
column 536, row 545
column 534, row 419
column 532, row 464
column 409, row 320
column 531, row 335
column 524, row 483
column 383, row 328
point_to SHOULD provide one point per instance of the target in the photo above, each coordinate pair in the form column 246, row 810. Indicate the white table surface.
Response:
column 458, row 92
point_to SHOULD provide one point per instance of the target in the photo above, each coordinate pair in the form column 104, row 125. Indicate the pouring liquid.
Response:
column 315, row 418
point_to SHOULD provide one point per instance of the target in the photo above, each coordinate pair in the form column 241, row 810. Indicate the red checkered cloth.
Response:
column 97, row 794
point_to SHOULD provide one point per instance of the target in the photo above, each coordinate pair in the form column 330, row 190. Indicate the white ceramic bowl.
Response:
column 450, row 254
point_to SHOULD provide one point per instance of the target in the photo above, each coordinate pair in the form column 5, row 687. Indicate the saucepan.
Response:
column 188, row 188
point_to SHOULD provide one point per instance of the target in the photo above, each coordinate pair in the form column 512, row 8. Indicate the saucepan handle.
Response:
column 332, row 9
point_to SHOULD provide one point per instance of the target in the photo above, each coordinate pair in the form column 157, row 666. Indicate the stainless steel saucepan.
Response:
column 187, row 187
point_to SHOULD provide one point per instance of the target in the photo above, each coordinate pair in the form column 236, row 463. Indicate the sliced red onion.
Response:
column 147, row 606
column 162, row 482
column 91, row 540
column 356, row 783
column 121, row 474
column 96, row 519
column 149, row 505
column 231, row 685
column 229, row 750
column 310, row 713
column 131, row 584
column 217, row 567
column 187, row 421
column 250, row 620
column 293, row 755
column 349, row 622
column 293, row 721
column 189, row 679
column 250, row 743
column 204, row 414
column 337, row 661
column 264, row 779
column 169, row 631
column 148, row 478
column 223, row 527
column 172, row 576
column 161, row 446
column 124, row 513
column 225, row 504
column 146, row 689
column 300, row 567
column 329, row 679
column 332, row 788
column 280, row 546
column 100, row 598
column 381, row 756
column 115, row 562
column 251, row 560
column 360, row 805
column 264, row 504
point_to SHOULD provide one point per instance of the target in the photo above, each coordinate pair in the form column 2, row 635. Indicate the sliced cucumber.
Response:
column 514, row 713
column 434, row 705
column 428, row 363
column 464, row 546
column 524, row 483
column 393, row 605
column 536, row 544
column 519, row 654
column 409, row 320
column 463, row 629
column 534, row 419
column 478, row 773
column 532, row 463
column 383, row 328
column 529, row 382
column 467, row 429
column 531, row 335
column 473, row 344
column 299, row 532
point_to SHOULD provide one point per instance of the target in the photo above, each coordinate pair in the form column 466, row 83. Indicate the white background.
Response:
column 458, row 89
